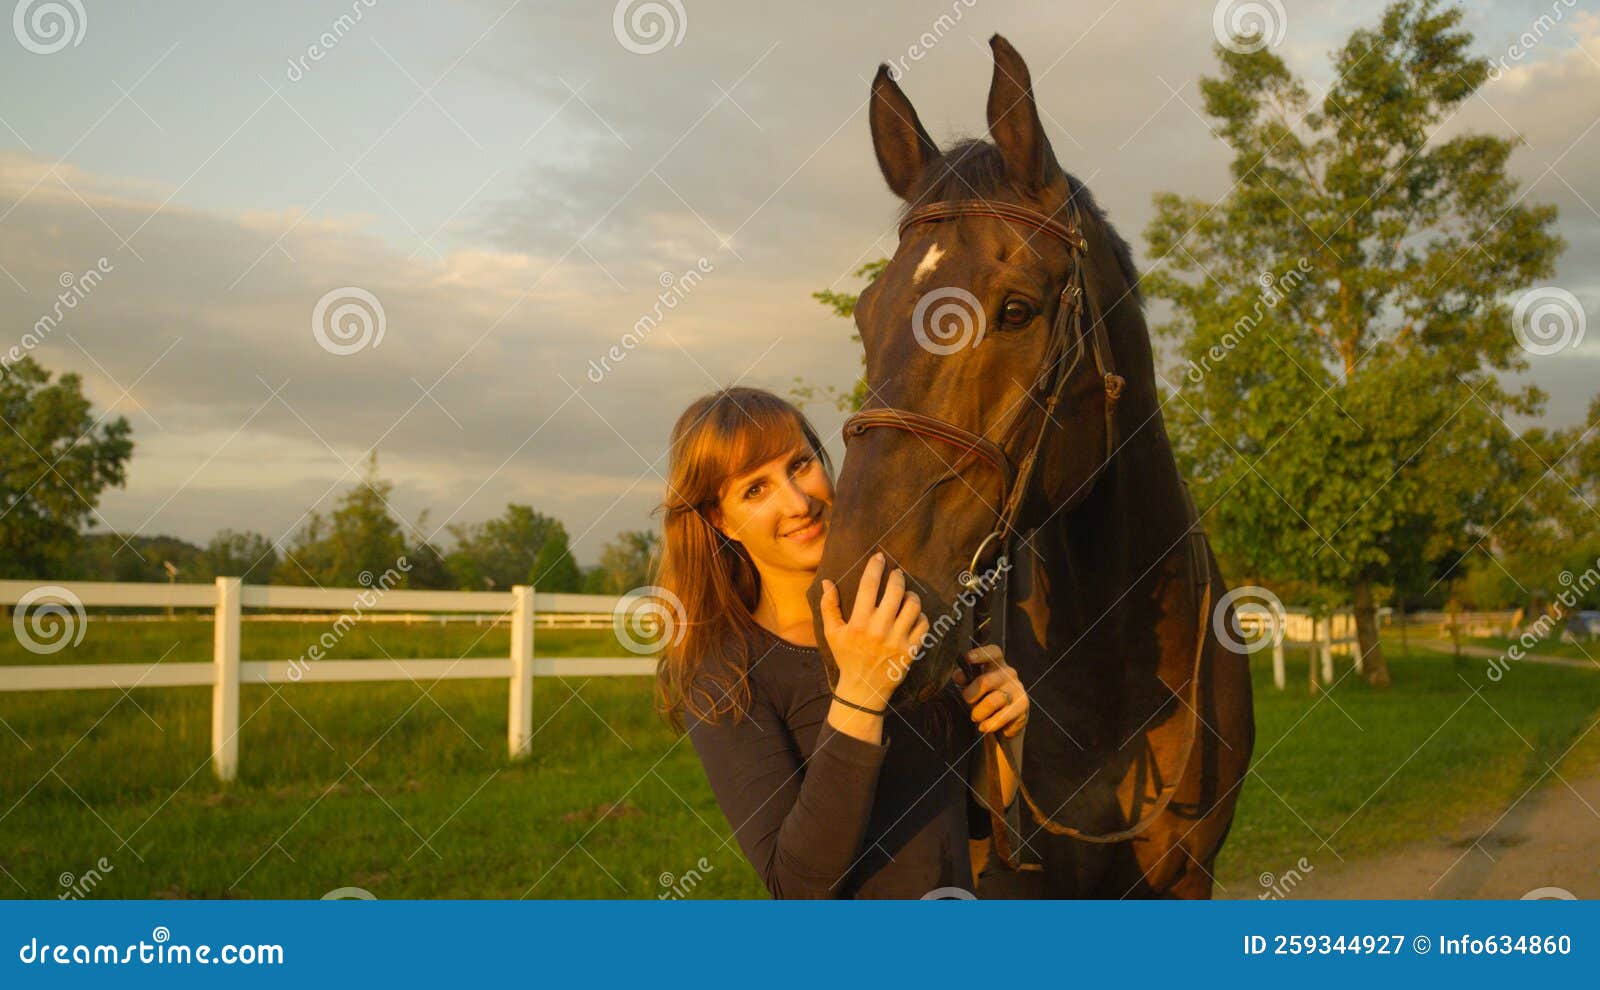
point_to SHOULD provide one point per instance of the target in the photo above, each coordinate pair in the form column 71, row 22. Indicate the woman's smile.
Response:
column 807, row 534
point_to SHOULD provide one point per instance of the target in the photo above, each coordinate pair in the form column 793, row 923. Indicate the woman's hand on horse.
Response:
column 997, row 699
column 878, row 643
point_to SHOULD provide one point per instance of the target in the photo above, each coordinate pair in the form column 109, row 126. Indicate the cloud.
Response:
column 746, row 145
column 477, row 393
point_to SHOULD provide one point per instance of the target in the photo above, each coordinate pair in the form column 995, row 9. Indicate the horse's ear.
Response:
column 1014, row 119
column 903, row 146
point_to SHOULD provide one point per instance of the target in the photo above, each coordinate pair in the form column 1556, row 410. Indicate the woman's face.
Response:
column 779, row 510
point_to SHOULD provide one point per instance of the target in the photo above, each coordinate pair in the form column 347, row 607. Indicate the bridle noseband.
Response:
column 1068, row 335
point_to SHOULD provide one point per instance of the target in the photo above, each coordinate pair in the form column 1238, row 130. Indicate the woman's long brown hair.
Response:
column 703, row 665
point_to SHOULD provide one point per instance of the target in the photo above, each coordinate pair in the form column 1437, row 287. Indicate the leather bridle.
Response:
column 1078, row 324
column 1068, row 337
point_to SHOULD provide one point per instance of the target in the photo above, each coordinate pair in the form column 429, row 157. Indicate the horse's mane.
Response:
column 973, row 169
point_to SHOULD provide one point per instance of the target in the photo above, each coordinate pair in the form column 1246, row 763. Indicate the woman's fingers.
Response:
column 983, row 684
column 894, row 592
column 989, row 653
column 991, row 703
column 910, row 610
column 1012, row 718
column 918, row 633
column 865, row 605
column 829, row 606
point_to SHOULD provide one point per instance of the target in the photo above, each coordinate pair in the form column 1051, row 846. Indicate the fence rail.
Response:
column 520, row 606
column 1298, row 628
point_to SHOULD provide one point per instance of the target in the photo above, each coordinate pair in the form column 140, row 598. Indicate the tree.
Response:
column 360, row 537
column 501, row 552
column 55, row 460
column 428, row 568
column 1341, row 314
column 628, row 562
column 246, row 555
column 554, row 569
column 1554, row 522
column 114, row 557
column 843, row 305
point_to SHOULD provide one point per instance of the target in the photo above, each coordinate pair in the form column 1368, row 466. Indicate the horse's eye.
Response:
column 1016, row 313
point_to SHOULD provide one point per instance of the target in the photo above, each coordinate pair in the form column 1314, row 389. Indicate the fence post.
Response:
column 520, row 723
column 1278, row 677
column 1327, row 650
column 225, row 690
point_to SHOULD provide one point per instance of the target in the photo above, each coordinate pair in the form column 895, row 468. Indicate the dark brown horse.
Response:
column 1008, row 322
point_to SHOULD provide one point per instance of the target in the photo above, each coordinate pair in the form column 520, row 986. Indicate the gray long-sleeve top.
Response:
column 820, row 813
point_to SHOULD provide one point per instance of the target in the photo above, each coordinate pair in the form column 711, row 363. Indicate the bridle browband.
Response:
column 1078, row 323
column 1068, row 336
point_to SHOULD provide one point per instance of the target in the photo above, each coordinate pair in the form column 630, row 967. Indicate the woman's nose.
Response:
column 795, row 500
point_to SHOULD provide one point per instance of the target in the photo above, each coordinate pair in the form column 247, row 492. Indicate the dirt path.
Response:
column 1445, row 646
column 1548, row 838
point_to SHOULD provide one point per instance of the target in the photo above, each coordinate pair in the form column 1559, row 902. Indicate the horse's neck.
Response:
column 1101, row 564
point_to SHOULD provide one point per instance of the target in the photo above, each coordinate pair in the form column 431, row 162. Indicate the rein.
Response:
column 1078, row 324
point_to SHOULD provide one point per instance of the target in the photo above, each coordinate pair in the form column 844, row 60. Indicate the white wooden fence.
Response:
column 226, row 672
column 542, row 620
column 1302, row 630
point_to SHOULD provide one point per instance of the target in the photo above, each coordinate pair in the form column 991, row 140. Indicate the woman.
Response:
column 829, row 792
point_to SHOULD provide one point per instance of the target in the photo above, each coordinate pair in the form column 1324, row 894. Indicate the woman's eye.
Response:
column 1016, row 313
column 751, row 491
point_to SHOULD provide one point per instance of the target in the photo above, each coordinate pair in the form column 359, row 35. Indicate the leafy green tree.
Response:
column 247, row 555
column 843, row 305
column 554, row 569
column 628, row 561
column 55, row 460
column 114, row 557
column 1341, row 313
column 359, row 537
column 501, row 552
column 1554, row 522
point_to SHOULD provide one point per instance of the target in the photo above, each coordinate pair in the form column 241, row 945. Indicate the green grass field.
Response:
column 405, row 790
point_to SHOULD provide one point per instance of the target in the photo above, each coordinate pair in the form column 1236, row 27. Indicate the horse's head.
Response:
column 962, row 330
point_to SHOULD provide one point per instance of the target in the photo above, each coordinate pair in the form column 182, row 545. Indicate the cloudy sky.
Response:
column 514, row 183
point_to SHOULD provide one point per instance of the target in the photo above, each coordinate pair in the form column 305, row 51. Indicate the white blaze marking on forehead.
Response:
column 929, row 262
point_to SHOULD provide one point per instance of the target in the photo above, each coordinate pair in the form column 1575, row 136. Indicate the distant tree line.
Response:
column 56, row 459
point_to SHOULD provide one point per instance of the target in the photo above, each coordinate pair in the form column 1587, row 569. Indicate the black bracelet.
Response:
column 860, row 708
